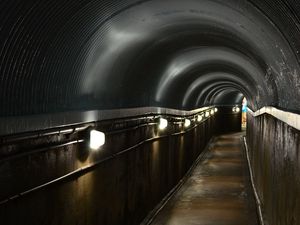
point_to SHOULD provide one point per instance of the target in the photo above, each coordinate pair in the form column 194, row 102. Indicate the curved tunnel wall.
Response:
column 59, row 56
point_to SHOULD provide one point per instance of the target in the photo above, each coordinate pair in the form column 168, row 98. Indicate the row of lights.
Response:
column 97, row 138
column 163, row 123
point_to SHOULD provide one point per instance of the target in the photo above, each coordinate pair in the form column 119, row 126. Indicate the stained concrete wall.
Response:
column 228, row 121
column 122, row 185
column 275, row 157
column 119, row 184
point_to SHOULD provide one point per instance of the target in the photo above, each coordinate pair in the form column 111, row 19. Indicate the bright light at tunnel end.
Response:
column 163, row 124
column 97, row 139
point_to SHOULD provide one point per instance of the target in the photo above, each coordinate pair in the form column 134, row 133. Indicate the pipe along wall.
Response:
column 119, row 184
column 274, row 150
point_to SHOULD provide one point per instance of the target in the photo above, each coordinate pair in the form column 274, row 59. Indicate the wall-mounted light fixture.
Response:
column 199, row 118
column 187, row 123
column 163, row 124
column 207, row 114
column 236, row 109
column 97, row 139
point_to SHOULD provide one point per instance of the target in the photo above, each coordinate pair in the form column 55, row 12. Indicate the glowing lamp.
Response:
column 97, row 139
column 187, row 122
column 199, row 118
column 207, row 114
column 163, row 123
column 236, row 109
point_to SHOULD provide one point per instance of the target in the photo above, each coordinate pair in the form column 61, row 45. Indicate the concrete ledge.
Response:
column 292, row 119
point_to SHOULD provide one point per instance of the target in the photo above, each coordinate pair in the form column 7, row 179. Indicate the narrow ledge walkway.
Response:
column 218, row 191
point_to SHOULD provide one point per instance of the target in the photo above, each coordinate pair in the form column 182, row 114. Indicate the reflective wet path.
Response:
column 218, row 192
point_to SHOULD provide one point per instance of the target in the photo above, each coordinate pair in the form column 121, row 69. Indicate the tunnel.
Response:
column 130, row 112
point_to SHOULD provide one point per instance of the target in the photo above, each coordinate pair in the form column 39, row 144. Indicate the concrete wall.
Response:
column 119, row 184
column 228, row 121
column 113, row 187
column 275, row 157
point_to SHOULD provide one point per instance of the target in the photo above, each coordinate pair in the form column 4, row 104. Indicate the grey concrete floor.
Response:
column 218, row 192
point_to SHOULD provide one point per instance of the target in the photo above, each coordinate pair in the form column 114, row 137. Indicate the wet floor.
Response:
column 218, row 192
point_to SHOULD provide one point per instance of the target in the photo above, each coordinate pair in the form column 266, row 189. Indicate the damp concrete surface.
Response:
column 218, row 191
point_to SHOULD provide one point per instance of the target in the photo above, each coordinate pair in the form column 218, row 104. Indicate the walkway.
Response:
column 218, row 192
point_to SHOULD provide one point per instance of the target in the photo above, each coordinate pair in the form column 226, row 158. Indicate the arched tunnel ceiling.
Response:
column 226, row 96
column 66, row 55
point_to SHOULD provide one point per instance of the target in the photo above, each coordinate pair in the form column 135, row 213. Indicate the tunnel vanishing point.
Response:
column 129, row 112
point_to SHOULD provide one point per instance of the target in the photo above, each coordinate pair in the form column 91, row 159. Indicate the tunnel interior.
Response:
column 118, row 66
column 97, row 55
